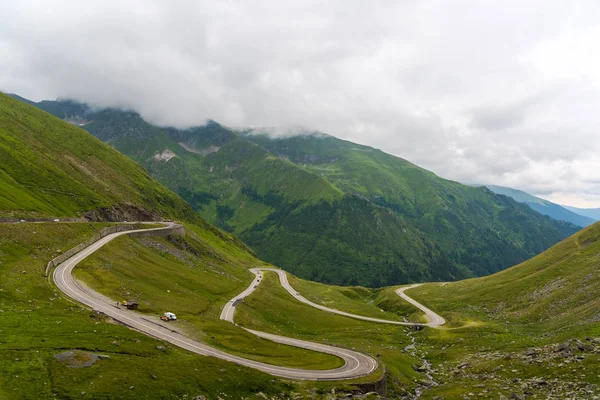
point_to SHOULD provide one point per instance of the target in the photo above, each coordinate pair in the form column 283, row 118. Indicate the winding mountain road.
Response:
column 355, row 364
column 229, row 310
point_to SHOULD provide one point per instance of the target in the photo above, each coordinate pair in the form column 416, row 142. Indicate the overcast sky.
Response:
column 499, row 92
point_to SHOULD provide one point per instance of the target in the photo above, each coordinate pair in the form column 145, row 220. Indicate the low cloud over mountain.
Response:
column 503, row 92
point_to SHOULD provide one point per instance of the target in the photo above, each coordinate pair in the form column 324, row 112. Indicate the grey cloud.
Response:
column 505, row 115
column 476, row 91
column 494, row 118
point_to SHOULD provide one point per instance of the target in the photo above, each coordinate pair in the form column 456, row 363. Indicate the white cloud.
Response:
column 490, row 92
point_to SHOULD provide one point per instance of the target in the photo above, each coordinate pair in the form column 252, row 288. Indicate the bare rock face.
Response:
column 531, row 352
column 585, row 347
column 122, row 212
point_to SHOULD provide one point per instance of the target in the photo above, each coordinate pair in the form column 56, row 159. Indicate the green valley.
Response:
column 299, row 200
column 530, row 330
column 327, row 209
column 194, row 275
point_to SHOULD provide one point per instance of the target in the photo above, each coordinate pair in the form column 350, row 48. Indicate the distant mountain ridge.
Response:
column 545, row 207
column 327, row 209
column 593, row 213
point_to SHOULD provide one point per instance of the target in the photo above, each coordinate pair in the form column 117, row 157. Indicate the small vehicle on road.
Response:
column 168, row 316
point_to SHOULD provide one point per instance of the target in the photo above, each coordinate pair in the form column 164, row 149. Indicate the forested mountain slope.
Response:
column 543, row 206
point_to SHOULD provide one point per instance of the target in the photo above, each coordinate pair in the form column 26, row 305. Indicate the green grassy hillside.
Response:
column 534, row 326
column 556, row 290
column 327, row 209
column 200, row 281
column 50, row 168
column 465, row 231
column 38, row 323
column 271, row 309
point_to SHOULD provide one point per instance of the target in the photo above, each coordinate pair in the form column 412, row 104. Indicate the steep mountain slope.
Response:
column 593, row 213
column 469, row 226
column 328, row 209
column 544, row 206
column 50, row 169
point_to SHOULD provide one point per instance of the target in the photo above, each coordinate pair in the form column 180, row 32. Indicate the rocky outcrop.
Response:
column 379, row 387
column 122, row 212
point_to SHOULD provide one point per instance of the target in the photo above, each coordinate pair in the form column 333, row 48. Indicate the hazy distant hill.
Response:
column 545, row 207
column 328, row 209
column 593, row 213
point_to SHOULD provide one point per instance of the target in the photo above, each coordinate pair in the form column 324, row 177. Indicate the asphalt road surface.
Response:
column 355, row 364
column 229, row 310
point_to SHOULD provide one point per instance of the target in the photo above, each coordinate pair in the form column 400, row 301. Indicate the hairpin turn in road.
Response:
column 355, row 364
